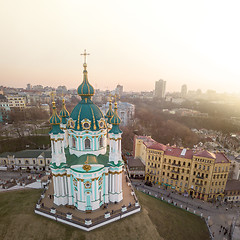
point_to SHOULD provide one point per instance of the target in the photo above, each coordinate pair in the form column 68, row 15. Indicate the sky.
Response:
column 131, row 42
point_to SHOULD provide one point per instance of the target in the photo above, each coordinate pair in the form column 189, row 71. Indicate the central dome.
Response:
column 86, row 112
column 86, row 115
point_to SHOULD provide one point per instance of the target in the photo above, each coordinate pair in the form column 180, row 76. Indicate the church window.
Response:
column 73, row 142
column 87, row 144
column 101, row 142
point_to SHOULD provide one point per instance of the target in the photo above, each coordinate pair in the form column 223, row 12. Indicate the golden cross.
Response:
column 52, row 95
column 115, row 96
column 85, row 55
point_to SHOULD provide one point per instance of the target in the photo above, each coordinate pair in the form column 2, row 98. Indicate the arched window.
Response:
column 101, row 142
column 87, row 144
column 73, row 142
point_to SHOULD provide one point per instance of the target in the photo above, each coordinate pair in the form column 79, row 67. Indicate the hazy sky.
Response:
column 133, row 43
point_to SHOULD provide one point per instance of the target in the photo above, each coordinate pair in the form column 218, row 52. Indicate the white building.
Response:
column 126, row 112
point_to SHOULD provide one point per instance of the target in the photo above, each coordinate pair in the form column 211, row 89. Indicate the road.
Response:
column 217, row 215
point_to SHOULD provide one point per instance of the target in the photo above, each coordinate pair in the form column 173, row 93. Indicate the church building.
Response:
column 86, row 161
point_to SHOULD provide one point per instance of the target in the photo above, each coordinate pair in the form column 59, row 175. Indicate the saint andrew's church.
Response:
column 86, row 162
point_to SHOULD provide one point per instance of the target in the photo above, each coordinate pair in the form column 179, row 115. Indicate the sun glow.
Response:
column 133, row 43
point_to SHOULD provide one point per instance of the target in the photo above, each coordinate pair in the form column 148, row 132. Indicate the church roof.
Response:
column 110, row 112
column 55, row 121
column 115, row 121
column 84, row 110
column 64, row 112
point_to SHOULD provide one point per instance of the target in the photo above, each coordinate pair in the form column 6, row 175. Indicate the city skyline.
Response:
column 132, row 44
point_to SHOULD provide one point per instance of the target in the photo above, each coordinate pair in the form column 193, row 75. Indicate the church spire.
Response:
column 55, row 120
column 85, row 90
column 110, row 112
column 64, row 114
column 115, row 121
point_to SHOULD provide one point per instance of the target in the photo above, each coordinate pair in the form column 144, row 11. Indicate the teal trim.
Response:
column 85, row 171
column 116, row 193
column 60, row 196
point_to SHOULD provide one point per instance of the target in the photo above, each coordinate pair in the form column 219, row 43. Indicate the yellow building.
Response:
column 16, row 101
column 200, row 174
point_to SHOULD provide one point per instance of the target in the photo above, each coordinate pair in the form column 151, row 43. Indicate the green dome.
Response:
column 85, row 89
column 115, row 120
column 87, row 111
column 110, row 112
column 64, row 113
column 55, row 121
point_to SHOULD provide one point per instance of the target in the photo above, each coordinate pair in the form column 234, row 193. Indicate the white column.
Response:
column 54, row 185
column 116, row 182
column 65, row 185
column 61, row 186
column 93, row 190
column 120, row 182
column 113, row 183
column 83, row 198
column 69, row 190
column 97, row 190
column 81, row 144
column 52, row 146
column 106, row 184
column 93, row 143
column 79, row 189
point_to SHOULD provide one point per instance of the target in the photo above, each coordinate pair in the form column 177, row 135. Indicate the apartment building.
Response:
column 200, row 174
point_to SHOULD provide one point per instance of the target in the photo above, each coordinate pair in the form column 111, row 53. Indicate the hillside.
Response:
column 157, row 220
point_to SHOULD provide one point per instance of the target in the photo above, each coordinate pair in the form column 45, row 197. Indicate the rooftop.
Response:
column 134, row 162
column 182, row 152
column 232, row 185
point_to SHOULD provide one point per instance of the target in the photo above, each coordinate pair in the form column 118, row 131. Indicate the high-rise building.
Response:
column 29, row 86
column 184, row 90
column 160, row 88
column 119, row 90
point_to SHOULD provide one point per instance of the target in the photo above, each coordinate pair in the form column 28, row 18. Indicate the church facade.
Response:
column 86, row 161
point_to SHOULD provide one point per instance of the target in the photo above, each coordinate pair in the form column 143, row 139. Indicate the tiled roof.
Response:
column 134, row 162
column 182, row 152
column 28, row 153
column 157, row 146
column 5, row 154
column 205, row 154
column 232, row 185
column 221, row 158
column 33, row 153
column 178, row 152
